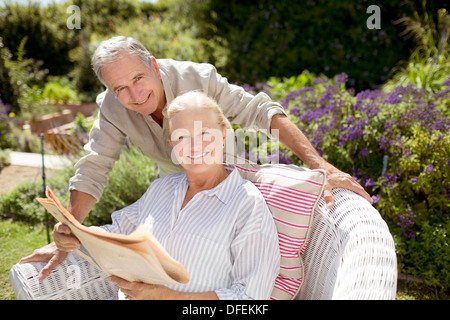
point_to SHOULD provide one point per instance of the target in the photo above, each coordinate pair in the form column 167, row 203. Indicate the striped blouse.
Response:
column 225, row 237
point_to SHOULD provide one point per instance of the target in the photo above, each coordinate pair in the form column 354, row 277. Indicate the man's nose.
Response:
column 135, row 93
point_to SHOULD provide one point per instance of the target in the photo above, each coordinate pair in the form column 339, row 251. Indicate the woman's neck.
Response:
column 208, row 179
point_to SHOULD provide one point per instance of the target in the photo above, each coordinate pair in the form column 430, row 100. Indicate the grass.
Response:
column 418, row 290
column 17, row 240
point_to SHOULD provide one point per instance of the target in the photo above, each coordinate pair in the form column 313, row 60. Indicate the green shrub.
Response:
column 128, row 181
column 429, row 64
column 283, row 38
column 20, row 203
column 56, row 93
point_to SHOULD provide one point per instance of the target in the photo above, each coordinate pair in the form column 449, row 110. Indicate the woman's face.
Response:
column 197, row 139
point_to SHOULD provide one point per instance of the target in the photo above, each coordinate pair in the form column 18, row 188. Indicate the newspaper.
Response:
column 134, row 257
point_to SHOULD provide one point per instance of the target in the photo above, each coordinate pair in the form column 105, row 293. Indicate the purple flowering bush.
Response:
column 11, row 136
column 397, row 146
column 6, row 122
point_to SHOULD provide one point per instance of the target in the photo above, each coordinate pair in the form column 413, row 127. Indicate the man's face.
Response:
column 138, row 87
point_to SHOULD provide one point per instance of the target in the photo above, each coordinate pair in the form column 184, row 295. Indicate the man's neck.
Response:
column 158, row 117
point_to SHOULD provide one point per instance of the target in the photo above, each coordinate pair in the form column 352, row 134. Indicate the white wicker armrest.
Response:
column 351, row 253
column 73, row 279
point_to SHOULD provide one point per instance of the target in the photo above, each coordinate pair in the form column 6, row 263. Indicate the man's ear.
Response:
column 155, row 67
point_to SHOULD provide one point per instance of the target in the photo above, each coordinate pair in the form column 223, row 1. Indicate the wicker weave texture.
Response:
column 351, row 254
column 73, row 279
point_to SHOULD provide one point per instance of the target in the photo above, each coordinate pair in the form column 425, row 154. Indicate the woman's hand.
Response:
column 144, row 291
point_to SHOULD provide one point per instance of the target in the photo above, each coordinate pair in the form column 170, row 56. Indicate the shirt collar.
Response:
column 225, row 191
column 166, row 84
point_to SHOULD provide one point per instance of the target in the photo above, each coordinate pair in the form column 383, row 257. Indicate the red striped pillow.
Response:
column 291, row 196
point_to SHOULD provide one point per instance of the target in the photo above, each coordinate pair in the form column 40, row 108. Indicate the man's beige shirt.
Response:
column 115, row 122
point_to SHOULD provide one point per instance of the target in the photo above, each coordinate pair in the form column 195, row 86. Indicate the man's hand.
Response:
column 49, row 254
column 338, row 179
column 64, row 239
column 55, row 252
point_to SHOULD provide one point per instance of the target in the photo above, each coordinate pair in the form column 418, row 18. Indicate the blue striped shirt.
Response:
column 225, row 237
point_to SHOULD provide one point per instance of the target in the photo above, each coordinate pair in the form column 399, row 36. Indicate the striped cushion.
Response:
column 291, row 196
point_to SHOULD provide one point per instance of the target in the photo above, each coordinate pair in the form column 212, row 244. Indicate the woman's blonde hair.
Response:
column 193, row 99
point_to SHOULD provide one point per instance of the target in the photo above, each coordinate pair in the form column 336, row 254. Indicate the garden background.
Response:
column 374, row 102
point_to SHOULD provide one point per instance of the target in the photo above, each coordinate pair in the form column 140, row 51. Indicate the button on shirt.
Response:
column 225, row 237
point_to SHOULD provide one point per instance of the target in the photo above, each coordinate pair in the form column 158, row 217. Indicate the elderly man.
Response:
column 138, row 89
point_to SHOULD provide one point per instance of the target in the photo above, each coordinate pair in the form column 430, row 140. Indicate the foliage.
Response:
column 397, row 145
column 11, row 137
column 4, row 158
column 8, row 91
column 24, row 76
column 48, row 39
column 20, row 203
column 429, row 64
column 128, row 181
column 6, row 123
column 283, row 38
column 55, row 92
column 82, row 125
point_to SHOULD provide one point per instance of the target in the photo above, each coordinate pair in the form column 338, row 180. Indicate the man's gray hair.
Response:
column 110, row 50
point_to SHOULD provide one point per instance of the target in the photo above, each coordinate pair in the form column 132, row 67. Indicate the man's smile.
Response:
column 139, row 103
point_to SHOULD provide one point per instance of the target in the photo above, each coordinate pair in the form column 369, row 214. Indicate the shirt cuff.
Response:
column 227, row 294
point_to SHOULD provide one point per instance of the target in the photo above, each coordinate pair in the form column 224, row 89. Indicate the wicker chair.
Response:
column 350, row 255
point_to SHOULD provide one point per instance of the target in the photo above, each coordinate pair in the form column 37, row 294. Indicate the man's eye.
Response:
column 119, row 89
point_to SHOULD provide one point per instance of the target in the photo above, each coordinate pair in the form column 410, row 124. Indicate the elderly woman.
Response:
column 208, row 218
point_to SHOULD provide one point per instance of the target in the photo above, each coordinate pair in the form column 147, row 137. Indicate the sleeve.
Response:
column 256, row 256
column 103, row 150
column 124, row 221
column 241, row 107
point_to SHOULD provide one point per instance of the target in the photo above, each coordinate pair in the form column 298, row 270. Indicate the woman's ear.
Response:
column 224, row 135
